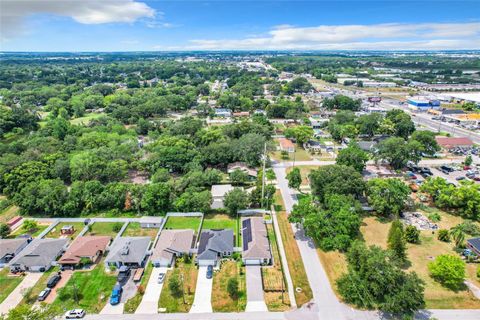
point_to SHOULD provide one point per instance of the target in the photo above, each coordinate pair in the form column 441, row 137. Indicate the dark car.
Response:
column 209, row 272
column 44, row 294
column 123, row 274
column 52, row 282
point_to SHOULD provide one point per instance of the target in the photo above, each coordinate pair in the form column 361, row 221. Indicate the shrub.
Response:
column 434, row 217
column 117, row 226
column 412, row 234
column 449, row 270
column 478, row 272
column 443, row 235
column 141, row 289
column 232, row 288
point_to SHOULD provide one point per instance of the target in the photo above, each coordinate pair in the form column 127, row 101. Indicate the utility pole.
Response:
column 263, row 171
column 183, row 288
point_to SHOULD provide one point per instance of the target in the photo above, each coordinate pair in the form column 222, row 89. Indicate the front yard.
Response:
column 186, row 273
column 7, row 283
column 221, row 300
column 135, row 230
column 91, row 289
column 30, row 296
column 104, row 229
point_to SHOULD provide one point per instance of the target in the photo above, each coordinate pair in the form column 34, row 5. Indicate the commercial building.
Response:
column 454, row 142
column 423, row 104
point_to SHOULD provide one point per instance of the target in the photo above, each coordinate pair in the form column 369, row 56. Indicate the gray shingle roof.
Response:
column 213, row 242
column 10, row 246
column 128, row 250
column 41, row 252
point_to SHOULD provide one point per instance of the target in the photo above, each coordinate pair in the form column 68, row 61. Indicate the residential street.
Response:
column 255, row 299
column 17, row 294
column 203, row 293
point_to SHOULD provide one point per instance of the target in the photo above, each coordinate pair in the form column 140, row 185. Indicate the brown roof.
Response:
column 172, row 242
column 84, row 247
column 285, row 143
column 453, row 142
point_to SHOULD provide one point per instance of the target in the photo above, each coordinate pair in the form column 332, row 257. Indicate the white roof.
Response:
column 220, row 190
column 474, row 97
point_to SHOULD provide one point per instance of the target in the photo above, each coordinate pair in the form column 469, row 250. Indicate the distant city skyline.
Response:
column 134, row 25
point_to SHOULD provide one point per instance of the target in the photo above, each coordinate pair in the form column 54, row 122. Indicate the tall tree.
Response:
column 294, row 178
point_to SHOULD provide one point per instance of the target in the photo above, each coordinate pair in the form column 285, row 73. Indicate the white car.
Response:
column 75, row 314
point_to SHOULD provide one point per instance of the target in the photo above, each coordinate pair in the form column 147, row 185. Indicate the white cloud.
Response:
column 14, row 12
column 391, row 36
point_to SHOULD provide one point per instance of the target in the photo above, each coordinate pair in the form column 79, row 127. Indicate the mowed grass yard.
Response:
column 222, row 221
column 105, row 229
column 221, row 300
column 375, row 232
column 55, row 232
column 294, row 258
column 135, row 230
column 31, row 295
column 85, row 120
column 7, row 283
column 132, row 304
column 172, row 303
column 35, row 233
column 94, row 288
column 300, row 154
column 183, row 223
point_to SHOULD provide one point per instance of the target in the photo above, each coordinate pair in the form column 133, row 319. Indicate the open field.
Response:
column 135, row 230
column 294, row 259
column 93, row 290
column 7, row 284
column 85, row 120
column 105, row 229
column 183, row 223
column 222, row 221
column 132, row 304
column 55, row 232
column 188, row 272
column 221, row 300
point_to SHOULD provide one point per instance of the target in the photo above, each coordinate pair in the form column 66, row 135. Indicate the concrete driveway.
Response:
column 255, row 300
column 152, row 293
column 116, row 309
column 16, row 295
column 203, row 293
column 66, row 275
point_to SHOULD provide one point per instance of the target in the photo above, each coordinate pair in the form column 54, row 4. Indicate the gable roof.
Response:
column 85, row 247
column 171, row 242
column 255, row 239
column 128, row 250
column 475, row 243
column 41, row 252
column 10, row 246
column 242, row 166
column 213, row 242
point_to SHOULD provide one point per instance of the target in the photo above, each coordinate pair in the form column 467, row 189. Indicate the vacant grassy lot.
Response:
column 55, row 232
column 7, row 284
column 87, row 118
column 294, row 259
column 300, row 154
column 93, row 290
column 304, row 171
column 221, row 300
column 132, row 304
column 105, row 229
column 188, row 272
column 41, row 284
column 222, row 221
column 183, row 223
column 135, row 230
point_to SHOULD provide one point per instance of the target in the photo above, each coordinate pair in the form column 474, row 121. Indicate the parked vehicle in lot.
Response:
column 116, row 295
column 52, row 282
column 123, row 274
column 460, row 178
column 44, row 294
column 75, row 314
column 447, row 169
column 161, row 277
column 209, row 272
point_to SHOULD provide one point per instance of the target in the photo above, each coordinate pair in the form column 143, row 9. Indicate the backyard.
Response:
column 222, row 221
column 186, row 273
column 92, row 288
column 183, row 223
column 105, row 229
column 135, row 230
column 34, row 233
column 56, row 231
column 132, row 304
column 7, row 283
column 221, row 300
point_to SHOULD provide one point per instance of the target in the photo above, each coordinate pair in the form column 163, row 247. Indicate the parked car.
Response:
column 116, row 295
column 209, row 272
column 123, row 274
column 460, row 178
column 75, row 314
column 161, row 277
column 52, row 282
column 44, row 294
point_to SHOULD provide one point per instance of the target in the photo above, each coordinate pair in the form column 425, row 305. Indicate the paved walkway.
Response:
column 16, row 295
column 203, row 293
column 255, row 299
column 152, row 293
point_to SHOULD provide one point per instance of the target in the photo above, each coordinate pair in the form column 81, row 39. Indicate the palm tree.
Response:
column 458, row 236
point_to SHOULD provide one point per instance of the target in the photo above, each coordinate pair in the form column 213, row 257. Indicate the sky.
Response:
column 138, row 25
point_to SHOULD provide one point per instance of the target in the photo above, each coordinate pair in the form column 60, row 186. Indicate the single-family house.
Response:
column 128, row 251
column 214, row 245
column 9, row 248
column 286, row 145
column 256, row 247
column 89, row 248
column 223, row 113
column 242, row 166
column 367, row 146
column 151, row 222
column 170, row 245
column 39, row 255
column 218, row 195
column 474, row 245
column 313, row 146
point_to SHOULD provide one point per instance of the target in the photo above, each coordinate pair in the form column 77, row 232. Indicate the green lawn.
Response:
column 105, row 229
column 183, row 223
column 31, row 295
column 8, row 213
column 135, row 230
column 7, row 284
column 189, row 273
column 34, row 234
column 132, row 304
column 221, row 300
column 93, row 290
column 55, row 232
column 87, row 118
column 222, row 221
